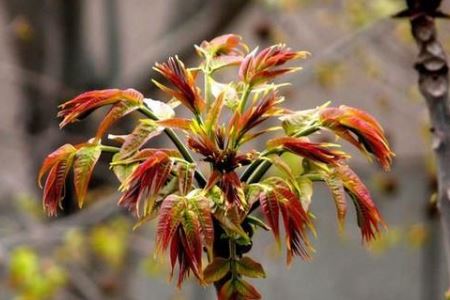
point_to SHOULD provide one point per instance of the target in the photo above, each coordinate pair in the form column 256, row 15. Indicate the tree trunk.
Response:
column 432, row 67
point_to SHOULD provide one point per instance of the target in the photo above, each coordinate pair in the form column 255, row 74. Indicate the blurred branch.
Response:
column 84, row 284
column 213, row 17
column 113, row 42
column 55, row 231
column 432, row 67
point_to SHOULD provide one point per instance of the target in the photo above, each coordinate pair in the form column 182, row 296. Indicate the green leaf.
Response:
column 258, row 222
column 83, row 165
column 231, row 226
column 216, row 270
column 250, row 268
column 304, row 188
column 302, row 120
column 122, row 171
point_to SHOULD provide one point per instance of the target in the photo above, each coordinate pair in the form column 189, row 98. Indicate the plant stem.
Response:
column 259, row 167
column 178, row 143
column 110, row 149
column 244, row 98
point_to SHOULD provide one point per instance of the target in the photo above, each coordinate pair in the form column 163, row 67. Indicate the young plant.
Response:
column 208, row 208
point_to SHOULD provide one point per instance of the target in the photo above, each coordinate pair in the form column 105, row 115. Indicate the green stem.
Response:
column 244, row 98
column 110, row 149
column 207, row 89
column 252, row 167
column 259, row 167
column 178, row 143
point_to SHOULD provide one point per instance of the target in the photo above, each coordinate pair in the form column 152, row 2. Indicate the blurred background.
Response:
column 51, row 50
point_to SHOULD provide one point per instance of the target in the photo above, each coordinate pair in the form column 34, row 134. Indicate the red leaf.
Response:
column 278, row 197
column 360, row 129
column 85, row 103
column 53, row 158
column 143, row 185
column 314, row 151
column 55, row 185
column 260, row 67
column 369, row 219
column 186, row 224
column 271, row 210
column 183, row 80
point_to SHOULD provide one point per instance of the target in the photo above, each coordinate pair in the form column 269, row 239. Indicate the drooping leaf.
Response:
column 338, row 193
column 83, row 165
column 53, row 158
column 142, row 186
column 277, row 197
column 55, row 185
column 360, row 129
column 369, row 218
column 185, row 223
column 85, row 103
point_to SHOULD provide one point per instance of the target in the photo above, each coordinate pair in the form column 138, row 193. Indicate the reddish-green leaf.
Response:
column 53, row 158
column 246, row 290
column 83, row 165
column 226, row 291
column 55, row 184
column 185, row 175
column 338, row 193
column 250, row 268
column 278, row 197
column 146, row 130
column 216, row 270
column 360, row 129
column 117, row 111
column 369, row 218
column 177, row 123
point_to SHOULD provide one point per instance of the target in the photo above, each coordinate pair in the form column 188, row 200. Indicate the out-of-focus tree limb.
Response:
column 205, row 24
column 432, row 67
column 54, row 232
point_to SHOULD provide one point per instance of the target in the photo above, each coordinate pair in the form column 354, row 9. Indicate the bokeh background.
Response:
column 51, row 50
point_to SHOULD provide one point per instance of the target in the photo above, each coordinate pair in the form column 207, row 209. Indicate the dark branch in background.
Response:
column 113, row 42
column 209, row 21
column 432, row 67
